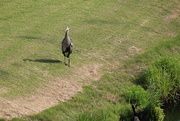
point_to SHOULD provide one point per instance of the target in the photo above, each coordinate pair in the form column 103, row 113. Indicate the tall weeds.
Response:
column 162, row 79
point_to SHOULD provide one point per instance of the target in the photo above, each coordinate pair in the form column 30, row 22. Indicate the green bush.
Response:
column 136, row 95
column 162, row 79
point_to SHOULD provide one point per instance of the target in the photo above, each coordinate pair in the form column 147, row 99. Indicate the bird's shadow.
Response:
column 43, row 60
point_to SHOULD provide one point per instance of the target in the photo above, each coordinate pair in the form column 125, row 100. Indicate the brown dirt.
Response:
column 134, row 50
column 174, row 14
column 144, row 22
column 58, row 90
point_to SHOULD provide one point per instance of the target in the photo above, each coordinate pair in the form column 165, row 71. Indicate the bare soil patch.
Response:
column 134, row 50
column 144, row 22
column 52, row 93
column 174, row 14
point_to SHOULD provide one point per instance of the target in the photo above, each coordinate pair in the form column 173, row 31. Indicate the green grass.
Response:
column 162, row 78
column 103, row 33
column 104, row 99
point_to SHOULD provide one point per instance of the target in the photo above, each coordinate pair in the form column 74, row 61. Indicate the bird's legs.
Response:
column 65, row 60
column 69, row 61
column 67, row 64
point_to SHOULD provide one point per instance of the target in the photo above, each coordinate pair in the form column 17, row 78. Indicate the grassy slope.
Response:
column 33, row 30
column 102, row 32
column 104, row 100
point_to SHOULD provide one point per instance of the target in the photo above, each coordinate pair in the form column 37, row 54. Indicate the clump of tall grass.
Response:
column 162, row 79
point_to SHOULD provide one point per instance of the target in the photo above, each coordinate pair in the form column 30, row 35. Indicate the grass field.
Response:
column 107, row 33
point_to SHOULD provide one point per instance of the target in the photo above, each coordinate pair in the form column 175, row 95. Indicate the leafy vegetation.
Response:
column 136, row 95
column 107, row 102
column 162, row 79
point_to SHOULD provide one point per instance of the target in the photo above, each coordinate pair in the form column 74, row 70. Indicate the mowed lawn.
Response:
column 106, row 32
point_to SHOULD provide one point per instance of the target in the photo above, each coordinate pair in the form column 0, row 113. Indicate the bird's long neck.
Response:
column 134, row 110
column 66, row 34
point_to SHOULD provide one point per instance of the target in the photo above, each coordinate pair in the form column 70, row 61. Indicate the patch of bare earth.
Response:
column 56, row 91
column 174, row 14
column 133, row 50
column 144, row 22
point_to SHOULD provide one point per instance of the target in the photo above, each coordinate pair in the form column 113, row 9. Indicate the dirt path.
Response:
column 49, row 95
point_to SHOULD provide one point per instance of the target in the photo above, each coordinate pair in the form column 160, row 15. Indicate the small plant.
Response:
column 137, row 96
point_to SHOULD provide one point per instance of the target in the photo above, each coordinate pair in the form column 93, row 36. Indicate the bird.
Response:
column 67, row 46
column 136, row 118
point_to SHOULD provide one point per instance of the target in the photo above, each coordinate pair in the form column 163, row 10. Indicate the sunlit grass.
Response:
column 102, row 32
column 105, row 32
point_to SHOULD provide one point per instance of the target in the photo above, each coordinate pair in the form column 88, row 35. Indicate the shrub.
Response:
column 136, row 95
column 162, row 79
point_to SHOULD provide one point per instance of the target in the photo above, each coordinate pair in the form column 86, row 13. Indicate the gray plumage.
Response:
column 67, row 46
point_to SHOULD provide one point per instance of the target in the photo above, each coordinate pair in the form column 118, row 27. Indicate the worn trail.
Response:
column 58, row 90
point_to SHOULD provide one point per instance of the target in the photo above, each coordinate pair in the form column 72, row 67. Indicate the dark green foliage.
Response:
column 126, row 113
column 172, row 112
column 154, row 112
